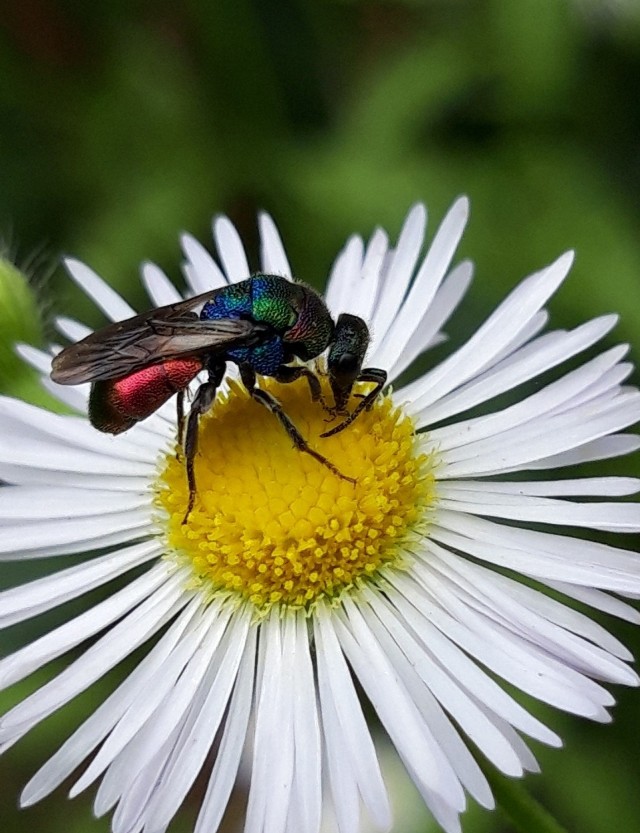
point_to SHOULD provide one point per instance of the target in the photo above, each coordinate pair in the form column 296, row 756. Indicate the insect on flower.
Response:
column 261, row 324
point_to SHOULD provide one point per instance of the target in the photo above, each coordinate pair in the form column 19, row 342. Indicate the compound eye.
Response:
column 346, row 363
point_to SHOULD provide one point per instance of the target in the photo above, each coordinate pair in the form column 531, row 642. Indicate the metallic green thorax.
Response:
column 301, row 322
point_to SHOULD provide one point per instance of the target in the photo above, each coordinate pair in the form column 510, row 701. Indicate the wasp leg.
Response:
column 180, row 416
column 370, row 374
column 286, row 374
column 202, row 401
column 334, row 412
column 248, row 376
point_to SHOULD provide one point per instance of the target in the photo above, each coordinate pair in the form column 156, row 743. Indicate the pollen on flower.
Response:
column 271, row 524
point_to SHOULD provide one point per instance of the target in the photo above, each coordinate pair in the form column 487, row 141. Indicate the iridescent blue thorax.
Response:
column 263, row 298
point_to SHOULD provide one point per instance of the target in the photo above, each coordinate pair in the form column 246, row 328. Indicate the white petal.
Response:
column 38, row 359
column 280, row 728
column 364, row 294
column 604, row 448
column 612, row 517
column 272, row 768
column 544, row 437
column 528, row 598
column 44, row 453
column 425, row 286
column 591, row 486
column 179, row 709
column 521, row 341
column 470, row 675
column 158, row 286
column 598, row 600
column 345, row 277
column 427, row 331
column 483, row 592
column 397, row 711
column 307, row 787
column 592, row 696
column 604, row 389
column 196, row 737
column 42, row 539
column 201, row 271
column 525, row 755
column 117, row 643
column 544, row 680
column 32, row 475
column 225, row 767
column 106, row 298
column 528, row 362
column 97, row 726
column 336, row 685
column 72, row 329
column 555, row 557
column 527, row 410
column 417, row 669
column 131, row 812
column 399, row 273
column 230, row 249
column 509, row 319
column 26, row 503
column 341, row 777
column 34, row 597
column 30, row 425
column 273, row 256
column 73, row 397
column 58, row 641
column 159, row 685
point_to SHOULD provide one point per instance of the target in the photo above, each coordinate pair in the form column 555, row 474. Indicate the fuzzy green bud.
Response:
column 19, row 321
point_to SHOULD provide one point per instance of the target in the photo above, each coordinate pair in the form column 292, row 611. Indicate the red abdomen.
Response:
column 117, row 404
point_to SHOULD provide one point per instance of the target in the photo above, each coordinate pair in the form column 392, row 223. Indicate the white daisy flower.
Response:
column 427, row 581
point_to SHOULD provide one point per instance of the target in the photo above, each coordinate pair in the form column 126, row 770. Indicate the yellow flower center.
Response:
column 271, row 524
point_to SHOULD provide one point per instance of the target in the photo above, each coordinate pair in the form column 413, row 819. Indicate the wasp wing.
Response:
column 153, row 337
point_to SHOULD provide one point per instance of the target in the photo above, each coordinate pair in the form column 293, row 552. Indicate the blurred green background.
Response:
column 123, row 123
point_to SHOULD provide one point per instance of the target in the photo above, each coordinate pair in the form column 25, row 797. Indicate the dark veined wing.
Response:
column 150, row 338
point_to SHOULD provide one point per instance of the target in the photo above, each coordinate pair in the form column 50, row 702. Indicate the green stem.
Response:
column 512, row 797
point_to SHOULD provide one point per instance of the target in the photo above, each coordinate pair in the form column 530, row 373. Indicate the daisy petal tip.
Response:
column 220, row 222
column 556, row 272
column 417, row 214
column 29, row 797
column 565, row 261
column 185, row 239
column 609, row 321
column 462, row 206
column 75, row 790
column 633, row 680
column 23, row 350
column 488, row 802
column 511, row 767
column 467, row 267
column 74, row 266
column 601, row 715
column 553, row 740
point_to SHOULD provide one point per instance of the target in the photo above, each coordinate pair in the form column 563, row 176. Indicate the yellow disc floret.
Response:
column 271, row 524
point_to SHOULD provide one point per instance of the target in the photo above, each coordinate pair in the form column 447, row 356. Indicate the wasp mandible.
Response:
column 261, row 324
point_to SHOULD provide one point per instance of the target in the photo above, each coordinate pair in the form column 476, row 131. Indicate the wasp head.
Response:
column 350, row 342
